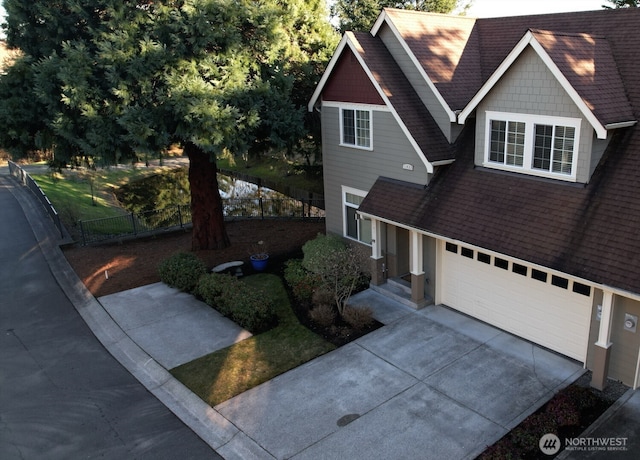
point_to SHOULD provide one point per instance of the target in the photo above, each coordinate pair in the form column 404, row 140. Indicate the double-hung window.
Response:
column 356, row 127
column 355, row 226
column 553, row 148
column 538, row 145
column 507, row 142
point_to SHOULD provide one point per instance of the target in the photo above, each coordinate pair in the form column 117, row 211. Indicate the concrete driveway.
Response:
column 430, row 384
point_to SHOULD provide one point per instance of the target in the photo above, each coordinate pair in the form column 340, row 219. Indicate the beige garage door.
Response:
column 538, row 306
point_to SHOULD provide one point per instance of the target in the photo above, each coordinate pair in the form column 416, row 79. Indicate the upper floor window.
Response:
column 356, row 127
column 543, row 146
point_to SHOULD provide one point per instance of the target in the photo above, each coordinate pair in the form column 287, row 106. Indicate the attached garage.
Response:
column 541, row 307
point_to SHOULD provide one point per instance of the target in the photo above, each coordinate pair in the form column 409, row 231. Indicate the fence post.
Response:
column 133, row 223
column 84, row 240
column 180, row 216
column 261, row 209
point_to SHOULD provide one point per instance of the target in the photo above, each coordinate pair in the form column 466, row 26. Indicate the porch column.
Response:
column 377, row 261
column 416, row 263
column 602, row 348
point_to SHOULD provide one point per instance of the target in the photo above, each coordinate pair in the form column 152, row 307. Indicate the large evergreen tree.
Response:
column 115, row 79
column 360, row 15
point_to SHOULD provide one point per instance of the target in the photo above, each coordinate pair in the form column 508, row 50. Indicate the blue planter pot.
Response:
column 259, row 263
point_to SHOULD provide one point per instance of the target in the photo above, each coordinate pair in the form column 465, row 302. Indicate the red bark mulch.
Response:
column 134, row 263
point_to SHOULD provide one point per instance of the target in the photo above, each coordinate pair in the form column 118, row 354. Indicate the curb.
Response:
column 218, row 432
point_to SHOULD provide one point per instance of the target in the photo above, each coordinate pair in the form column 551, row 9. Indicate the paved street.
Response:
column 62, row 395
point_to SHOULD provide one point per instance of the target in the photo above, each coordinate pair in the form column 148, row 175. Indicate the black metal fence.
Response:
column 96, row 230
column 27, row 180
column 133, row 224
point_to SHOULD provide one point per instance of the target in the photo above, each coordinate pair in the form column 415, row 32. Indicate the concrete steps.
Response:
column 400, row 291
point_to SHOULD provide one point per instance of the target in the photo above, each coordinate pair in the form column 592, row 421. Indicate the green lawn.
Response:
column 86, row 195
column 223, row 374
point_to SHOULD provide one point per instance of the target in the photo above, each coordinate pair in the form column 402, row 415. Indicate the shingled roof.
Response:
column 589, row 231
column 402, row 97
column 447, row 48
column 459, row 55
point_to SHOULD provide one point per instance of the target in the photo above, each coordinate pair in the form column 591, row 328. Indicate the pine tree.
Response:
column 117, row 79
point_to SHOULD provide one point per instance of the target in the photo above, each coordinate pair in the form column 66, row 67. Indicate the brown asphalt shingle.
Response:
column 447, row 47
column 587, row 63
column 403, row 97
column 587, row 230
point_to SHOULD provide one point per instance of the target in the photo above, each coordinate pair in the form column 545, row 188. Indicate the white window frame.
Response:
column 530, row 122
column 356, row 108
column 359, row 219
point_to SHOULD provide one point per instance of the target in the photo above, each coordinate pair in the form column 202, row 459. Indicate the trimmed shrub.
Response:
column 182, row 271
column 253, row 310
column 359, row 318
column 217, row 290
column 323, row 315
column 301, row 281
column 316, row 251
column 250, row 308
column 322, row 295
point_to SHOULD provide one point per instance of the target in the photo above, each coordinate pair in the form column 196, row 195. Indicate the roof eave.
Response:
column 621, row 124
column 529, row 39
column 385, row 18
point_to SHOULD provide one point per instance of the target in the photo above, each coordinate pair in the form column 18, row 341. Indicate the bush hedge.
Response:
column 250, row 308
column 182, row 271
column 301, row 281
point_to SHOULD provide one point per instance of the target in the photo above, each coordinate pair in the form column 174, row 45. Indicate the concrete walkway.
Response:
column 156, row 318
column 429, row 384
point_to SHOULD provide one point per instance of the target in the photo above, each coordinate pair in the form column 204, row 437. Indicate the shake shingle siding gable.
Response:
column 422, row 89
column 530, row 88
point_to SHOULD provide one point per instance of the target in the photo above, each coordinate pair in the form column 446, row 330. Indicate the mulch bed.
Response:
column 112, row 267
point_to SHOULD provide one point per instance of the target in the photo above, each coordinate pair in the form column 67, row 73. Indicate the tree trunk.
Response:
column 206, row 205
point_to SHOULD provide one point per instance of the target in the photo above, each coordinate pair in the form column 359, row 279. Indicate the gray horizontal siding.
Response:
column 359, row 168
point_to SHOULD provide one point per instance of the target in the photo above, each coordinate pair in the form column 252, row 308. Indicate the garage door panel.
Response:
column 554, row 317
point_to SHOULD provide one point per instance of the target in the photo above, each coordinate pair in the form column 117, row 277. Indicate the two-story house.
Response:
column 493, row 166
